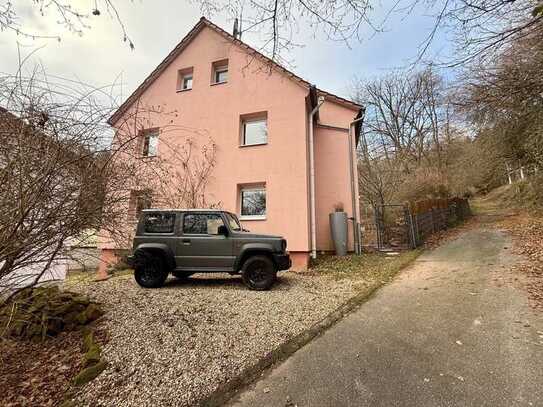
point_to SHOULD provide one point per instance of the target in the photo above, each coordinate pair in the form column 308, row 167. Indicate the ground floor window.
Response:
column 253, row 202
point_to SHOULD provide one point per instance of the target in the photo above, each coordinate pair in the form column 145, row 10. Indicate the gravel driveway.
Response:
column 177, row 344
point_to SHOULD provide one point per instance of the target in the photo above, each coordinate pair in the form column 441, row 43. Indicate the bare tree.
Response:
column 278, row 22
column 71, row 17
column 481, row 29
column 504, row 100
column 186, row 177
column 63, row 174
column 50, row 185
column 407, row 130
column 405, row 116
column 377, row 179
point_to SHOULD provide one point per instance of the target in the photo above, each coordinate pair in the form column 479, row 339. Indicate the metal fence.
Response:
column 400, row 227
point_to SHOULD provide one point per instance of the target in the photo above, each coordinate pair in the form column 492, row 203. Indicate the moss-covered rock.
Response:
column 34, row 330
column 92, row 356
column 93, row 312
column 89, row 373
column 81, row 299
column 61, row 308
column 81, row 318
column 88, row 339
column 54, row 326
column 46, row 311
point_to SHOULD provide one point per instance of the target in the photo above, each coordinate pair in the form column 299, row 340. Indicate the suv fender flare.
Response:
column 161, row 248
column 250, row 249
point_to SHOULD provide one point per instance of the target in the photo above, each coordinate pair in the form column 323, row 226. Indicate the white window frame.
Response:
column 149, row 134
column 252, row 189
column 184, row 81
column 183, row 74
column 244, row 121
column 217, row 70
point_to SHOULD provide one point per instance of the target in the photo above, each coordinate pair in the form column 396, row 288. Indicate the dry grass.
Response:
column 371, row 268
column 525, row 195
column 75, row 278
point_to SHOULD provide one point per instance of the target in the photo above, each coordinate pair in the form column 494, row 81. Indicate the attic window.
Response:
column 184, row 79
column 220, row 72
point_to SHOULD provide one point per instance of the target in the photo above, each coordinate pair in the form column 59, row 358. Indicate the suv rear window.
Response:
column 159, row 222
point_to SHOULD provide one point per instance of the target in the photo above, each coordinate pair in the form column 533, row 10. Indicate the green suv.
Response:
column 187, row 241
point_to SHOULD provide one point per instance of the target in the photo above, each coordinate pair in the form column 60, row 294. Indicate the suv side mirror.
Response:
column 222, row 230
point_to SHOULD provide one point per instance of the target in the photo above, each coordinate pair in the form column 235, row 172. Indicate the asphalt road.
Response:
column 454, row 329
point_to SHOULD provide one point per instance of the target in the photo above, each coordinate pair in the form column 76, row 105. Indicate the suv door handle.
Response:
column 186, row 242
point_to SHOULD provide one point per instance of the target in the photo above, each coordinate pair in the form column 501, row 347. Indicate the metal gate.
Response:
column 387, row 227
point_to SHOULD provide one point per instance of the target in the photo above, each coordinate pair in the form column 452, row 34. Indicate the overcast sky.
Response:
column 99, row 56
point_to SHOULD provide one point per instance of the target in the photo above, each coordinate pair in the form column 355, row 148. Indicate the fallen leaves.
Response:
column 527, row 233
column 38, row 374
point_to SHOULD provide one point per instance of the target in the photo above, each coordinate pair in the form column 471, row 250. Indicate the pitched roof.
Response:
column 187, row 39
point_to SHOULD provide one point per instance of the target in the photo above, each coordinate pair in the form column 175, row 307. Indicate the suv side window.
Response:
column 202, row 223
column 159, row 222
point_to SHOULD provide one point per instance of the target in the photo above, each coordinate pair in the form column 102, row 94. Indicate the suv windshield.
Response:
column 233, row 222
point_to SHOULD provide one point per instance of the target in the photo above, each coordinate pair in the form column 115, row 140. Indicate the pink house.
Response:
column 284, row 148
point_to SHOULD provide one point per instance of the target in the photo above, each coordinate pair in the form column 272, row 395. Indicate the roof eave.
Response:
column 157, row 71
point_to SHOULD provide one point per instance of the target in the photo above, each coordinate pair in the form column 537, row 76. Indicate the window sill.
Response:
column 252, row 145
column 183, row 90
column 254, row 217
column 218, row 83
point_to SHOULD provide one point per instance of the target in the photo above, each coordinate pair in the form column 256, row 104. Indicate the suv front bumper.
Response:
column 282, row 261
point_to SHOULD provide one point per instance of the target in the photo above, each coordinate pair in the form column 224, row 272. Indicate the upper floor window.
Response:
column 150, row 143
column 184, row 79
column 254, row 130
column 220, row 72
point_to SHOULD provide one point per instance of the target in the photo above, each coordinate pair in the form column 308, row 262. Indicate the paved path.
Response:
column 452, row 330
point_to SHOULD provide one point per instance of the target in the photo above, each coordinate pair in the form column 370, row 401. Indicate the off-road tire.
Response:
column 150, row 271
column 258, row 273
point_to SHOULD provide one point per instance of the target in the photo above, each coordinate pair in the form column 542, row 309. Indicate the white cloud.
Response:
column 100, row 57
